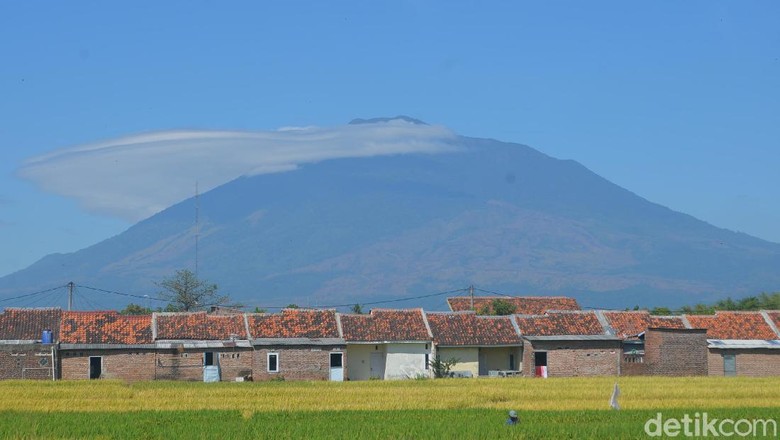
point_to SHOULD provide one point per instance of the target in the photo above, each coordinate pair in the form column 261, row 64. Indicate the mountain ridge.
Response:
column 504, row 216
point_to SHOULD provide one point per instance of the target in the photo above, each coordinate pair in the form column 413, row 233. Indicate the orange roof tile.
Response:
column 524, row 305
column 560, row 323
column 733, row 325
column 385, row 325
column 200, row 326
column 631, row 323
column 294, row 323
column 467, row 328
column 107, row 327
column 28, row 324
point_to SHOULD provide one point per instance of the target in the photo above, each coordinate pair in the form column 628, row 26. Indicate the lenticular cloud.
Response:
column 136, row 176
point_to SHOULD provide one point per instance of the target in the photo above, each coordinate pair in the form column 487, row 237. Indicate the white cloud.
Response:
column 136, row 176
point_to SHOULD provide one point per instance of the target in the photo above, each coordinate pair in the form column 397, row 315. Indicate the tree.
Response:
column 185, row 292
column 356, row 309
column 497, row 307
column 135, row 309
column 292, row 306
column 259, row 310
column 441, row 368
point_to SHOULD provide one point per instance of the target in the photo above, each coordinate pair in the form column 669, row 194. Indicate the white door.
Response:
column 337, row 367
column 377, row 366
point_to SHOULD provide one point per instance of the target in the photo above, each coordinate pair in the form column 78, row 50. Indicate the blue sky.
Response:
column 676, row 101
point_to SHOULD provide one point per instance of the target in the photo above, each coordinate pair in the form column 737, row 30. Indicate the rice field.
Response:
column 450, row 408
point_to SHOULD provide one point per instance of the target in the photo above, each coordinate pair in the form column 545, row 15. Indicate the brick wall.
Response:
column 676, row 352
column 757, row 362
column 299, row 363
column 188, row 364
column 25, row 361
column 129, row 365
column 574, row 358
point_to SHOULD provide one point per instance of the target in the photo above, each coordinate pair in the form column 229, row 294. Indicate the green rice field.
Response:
column 448, row 408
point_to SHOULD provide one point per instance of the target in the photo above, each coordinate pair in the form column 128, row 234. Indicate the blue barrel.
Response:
column 46, row 337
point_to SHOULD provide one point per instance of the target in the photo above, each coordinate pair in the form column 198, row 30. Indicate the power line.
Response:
column 31, row 294
column 114, row 292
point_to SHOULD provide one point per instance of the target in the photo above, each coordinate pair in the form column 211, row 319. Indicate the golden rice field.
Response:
column 517, row 393
column 413, row 409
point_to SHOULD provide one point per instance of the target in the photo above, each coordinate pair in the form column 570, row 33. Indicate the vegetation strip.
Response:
column 463, row 423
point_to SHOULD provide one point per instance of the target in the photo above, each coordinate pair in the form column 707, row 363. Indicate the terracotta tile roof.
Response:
column 560, row 323
column 524, row 305
column 467, row 328
column 294, row 323
column 631, row 323
column 28, row 324
column 105, row 328
column 385, row 325
column 733, row 325
column 200, row 326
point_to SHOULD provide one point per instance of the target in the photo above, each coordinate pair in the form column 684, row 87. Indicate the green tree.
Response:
column 259, row 310
column 660, row 311
column 357, row 309
column 497, row 307
column 135, row 309
column 293, row 306
column 441, row 368
column 185, row 292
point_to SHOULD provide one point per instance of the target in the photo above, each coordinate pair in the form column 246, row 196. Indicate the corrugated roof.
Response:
column 385, row 325
column 733, row 325
column 294, row 323
column 200, row 326
column 467, row 328
column 631, row 323
column 524, row 305
column 28, row 324
column 559, row 323
column 106, row 327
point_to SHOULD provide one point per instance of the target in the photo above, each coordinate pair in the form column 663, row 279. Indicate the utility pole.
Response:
column 70, row 295
column 471, row 294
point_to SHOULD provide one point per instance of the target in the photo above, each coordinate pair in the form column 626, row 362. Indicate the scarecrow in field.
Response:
column 513, row 419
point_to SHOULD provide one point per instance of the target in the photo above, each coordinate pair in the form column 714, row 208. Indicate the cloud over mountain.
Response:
column 135, row 176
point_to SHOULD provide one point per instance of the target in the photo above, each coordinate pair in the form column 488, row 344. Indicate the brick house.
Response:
column 297, row 344
column 23, row 352
column 482, row 344
column 197, row 346
column 387, row 344
column 632, row 327
column 106, row 345
column 524, row 305
column 568, row 343
column 741, row 343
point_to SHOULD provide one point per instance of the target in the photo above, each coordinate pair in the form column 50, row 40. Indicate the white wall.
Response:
column 359, row 360
column 406, row 361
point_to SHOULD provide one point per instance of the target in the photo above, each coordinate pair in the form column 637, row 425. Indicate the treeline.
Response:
column 764, row 301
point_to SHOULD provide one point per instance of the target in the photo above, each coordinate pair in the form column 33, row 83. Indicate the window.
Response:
column 208, row 358
column 95, row 367
column 273, row 362
column 336, row 360
column 427, row 361
column 511, row 362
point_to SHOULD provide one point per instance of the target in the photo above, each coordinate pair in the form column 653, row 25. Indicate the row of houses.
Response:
column 548, row 336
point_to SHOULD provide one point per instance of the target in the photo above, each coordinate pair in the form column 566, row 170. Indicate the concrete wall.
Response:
column 359, row 360
column 406, row 361
column 299, row 363
column 757, row 362
column 468, row 358
column 574, row 358
column 129, row 365
column 31, row 361
column 498, row 358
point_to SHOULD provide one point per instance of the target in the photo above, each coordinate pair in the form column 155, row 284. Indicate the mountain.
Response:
column 504, row 217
